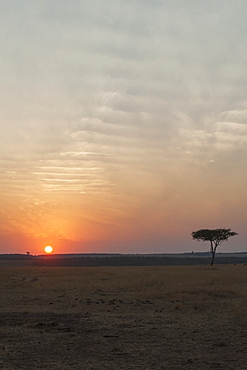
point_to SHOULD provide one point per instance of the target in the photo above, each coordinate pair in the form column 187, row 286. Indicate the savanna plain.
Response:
column 163, row 317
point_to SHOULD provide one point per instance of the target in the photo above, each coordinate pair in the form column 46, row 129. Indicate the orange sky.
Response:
column 124, row 132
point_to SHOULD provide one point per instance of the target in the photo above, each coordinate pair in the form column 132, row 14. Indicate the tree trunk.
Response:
column 212, row 250
column 213, row 255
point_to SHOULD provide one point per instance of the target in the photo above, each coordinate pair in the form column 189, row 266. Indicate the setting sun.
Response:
column 48, row 249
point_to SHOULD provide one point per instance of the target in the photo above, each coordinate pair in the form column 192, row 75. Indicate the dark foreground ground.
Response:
column 187, row 317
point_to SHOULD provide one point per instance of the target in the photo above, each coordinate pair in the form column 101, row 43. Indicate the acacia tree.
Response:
column 214, row 236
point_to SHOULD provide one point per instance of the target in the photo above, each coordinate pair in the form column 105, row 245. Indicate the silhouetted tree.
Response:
column 214, row 236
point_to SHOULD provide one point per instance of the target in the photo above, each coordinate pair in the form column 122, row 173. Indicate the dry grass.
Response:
column 123, row 317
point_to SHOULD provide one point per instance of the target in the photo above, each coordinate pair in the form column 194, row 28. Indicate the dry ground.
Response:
column 185, row 317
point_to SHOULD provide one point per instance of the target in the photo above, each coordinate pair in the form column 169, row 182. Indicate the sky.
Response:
column 123, row 124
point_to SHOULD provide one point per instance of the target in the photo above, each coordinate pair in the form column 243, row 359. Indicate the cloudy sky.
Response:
column 123, row 124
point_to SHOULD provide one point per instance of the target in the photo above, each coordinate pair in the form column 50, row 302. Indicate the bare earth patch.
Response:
column 123, row 318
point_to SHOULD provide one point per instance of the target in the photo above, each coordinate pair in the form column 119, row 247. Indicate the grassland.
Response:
column 163, row 317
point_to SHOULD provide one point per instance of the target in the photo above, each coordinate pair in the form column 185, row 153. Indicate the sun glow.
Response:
column 48, row 249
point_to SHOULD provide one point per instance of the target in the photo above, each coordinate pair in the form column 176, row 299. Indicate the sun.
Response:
column 48, row 249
